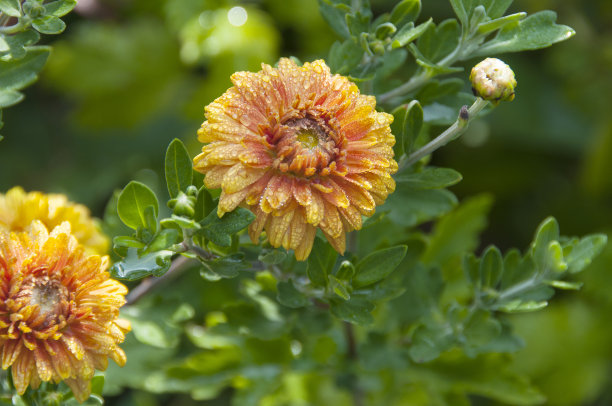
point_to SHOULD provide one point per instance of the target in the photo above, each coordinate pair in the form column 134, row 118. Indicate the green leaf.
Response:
column 409, row 207
column 358, row 23
column 16, row 43
column 429, row 178
column 272, row 257
column 9, row 97
column 409, row 33
column 435, row 89
column 334, row 12
column 346, row 271
column 340, row 287
column 133, row 200
column 547, row 232
column 564, row 285
column 407, row 124
column 16, row 74
column 320, row 262
column 461, row 11
column 378, row 265
column 437, row 42
column 134, row 267
column 289, row 296
column 480, row 329
column 534, row 32
column 179, row 172
column 457, row 232
column 581, row 254
column 490, row 26
column 164, row 240
column 495, row 8
column 429, row 341
column 405, row 11
column 519, row 306
column 11, row 7
column 59, row 8
column 129, row 242
column 491, row 267
column 344, row 56
column 204, row 204
column 219, row 230
column 229, row 266
column 355, row 310
column 49, row 25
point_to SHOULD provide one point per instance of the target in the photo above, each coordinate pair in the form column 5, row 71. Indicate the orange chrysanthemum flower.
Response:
column 58, row 309
column 301, row 148
column 18, row 209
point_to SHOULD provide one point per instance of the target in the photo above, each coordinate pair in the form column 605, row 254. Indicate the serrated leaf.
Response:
column 534, row 32
column 132, row 202
column 16, row 74
column 49, row 25
column 378, row 265
column 219, row 230
column 9, row 97
column 11, row 7
column 289, row 296
column 60, row 8
column 405, row 11
column 178, row 166
column 429, row 178
column 320, row 262
column 355, row 310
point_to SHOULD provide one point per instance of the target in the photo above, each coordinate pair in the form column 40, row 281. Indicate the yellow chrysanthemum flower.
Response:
column 18, row 209
column 301, row 148
column 58, row 309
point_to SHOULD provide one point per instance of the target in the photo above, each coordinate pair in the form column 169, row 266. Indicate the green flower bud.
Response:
column 33, row 9
column 182, row 205
column 493, row 80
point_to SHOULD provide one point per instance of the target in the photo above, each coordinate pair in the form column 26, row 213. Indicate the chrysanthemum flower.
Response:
column 18, row 209
column 58, row 309
column 301, row 148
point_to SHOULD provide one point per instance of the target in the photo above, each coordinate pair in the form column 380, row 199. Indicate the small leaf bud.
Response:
column 493, row 80
column 33, row 9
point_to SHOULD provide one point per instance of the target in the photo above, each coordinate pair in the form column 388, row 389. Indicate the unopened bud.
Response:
column 493, row 80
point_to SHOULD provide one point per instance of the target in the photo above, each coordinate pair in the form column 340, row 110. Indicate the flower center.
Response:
column 306, row 146
column 48, row 295
column 308, row 139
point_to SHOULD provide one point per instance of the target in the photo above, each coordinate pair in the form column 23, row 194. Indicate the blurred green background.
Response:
column 128, row 76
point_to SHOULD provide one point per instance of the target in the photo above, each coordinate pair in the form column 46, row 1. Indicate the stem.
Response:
column 518, row 288
column 452, row 132
column 352, row 356
column 414, row 83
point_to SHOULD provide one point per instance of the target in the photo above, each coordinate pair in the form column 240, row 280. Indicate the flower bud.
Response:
column 493, row 80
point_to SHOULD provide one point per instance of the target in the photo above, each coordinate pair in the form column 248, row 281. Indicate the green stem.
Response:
column 414, row 83
column 452, row 132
